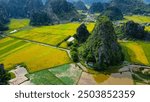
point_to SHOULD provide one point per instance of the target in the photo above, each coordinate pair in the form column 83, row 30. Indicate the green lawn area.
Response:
column 18, row 23
column 62, row 75
column 44, row 78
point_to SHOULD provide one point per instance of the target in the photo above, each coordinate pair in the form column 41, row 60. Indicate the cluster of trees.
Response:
column 4, row 76
column 82, row 33
column 40, row 18
column 81, row 36
column 132, row 30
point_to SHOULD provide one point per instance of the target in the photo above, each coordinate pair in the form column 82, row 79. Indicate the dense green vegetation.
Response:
column 40, row 18
column 79, row 5
column 134, row 30
column 113, row 13
column 4, row 75
column 102, row 48
column 131, row 6
column 3, row 17
column 96, row 7
column 46, row 51
column 82, row 33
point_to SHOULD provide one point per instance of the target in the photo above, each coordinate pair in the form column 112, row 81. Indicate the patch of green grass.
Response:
column 60, row 69
column 69, row 74
column 65, row 74
column 137, row 81
column 18, row 23
column 144, row 76
column 44, row 78
column 12, row 75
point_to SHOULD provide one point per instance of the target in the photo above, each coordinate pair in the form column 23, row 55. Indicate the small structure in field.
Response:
column 14, row 31
column 71, row 39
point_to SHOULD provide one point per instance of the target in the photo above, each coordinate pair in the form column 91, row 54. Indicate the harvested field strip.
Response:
column 7, row 42
column 13, row 51
column 9, row 48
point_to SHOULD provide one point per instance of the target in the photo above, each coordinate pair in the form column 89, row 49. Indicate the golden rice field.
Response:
column 147, row 28
column 63, row 45
column 138, row 18
column 34, row 56
column 135, row 52
column 51, row 34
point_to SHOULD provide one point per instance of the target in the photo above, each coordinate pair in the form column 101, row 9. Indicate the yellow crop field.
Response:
column 51, row 34
column 138, row 18
column 147, row 28
column 35, row 57
column 64, row 45
column 136, row 53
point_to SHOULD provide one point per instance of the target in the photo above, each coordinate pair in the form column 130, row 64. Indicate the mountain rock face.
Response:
column 40, row 18
column 147, row 1
column 113, row 13
column 79, row 5
column 130, row 6
column 4, row 19
column 96, row 7
column 90, row 2
column 82, row 33
column 33, row 6
column 102, row 47
column 16, row 8
column 62, row 9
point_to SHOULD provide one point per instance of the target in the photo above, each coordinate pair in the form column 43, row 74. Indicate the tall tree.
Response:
column 4, row 76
